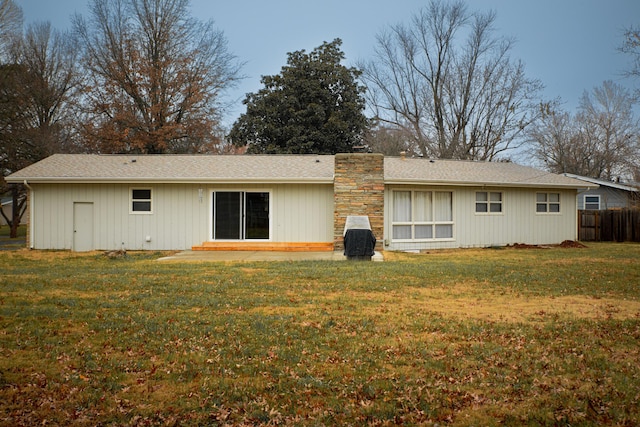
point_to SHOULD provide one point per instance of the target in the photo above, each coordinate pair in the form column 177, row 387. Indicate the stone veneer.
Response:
column 358, row 189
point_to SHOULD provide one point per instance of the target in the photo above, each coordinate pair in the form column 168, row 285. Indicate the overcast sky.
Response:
column 570, row 45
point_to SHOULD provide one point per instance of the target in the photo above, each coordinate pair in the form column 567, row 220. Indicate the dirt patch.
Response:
column 526, row 246
column 564, row 244
column 510, row 308
column 463, row 302
column 571, row 244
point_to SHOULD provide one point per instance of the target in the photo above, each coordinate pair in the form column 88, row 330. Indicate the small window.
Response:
column 548, row 202
column 592, row 203
column 488, row 202
column 141, row 200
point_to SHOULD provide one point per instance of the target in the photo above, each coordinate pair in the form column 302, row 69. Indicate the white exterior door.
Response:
column 82, row 227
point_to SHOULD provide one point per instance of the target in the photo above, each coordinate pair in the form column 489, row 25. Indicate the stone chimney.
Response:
column 358, row 189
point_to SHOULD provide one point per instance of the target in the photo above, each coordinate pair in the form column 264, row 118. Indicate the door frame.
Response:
column 83, row 227
column 244, row 191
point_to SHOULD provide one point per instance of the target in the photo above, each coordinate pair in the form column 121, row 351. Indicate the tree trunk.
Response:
column 16, row 211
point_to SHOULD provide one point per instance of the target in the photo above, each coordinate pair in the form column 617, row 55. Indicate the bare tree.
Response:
column 390, row 141
column 155, row 76
column 631, row 46
column 12, row 123
column 557, row 141
column 51, row 85
column 10, row 25
column 608, row 122
column 38, row 90
column 11, row 106
column 450, row 83
column 600, row 141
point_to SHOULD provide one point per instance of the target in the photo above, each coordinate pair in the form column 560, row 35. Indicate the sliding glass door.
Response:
column 240, row 215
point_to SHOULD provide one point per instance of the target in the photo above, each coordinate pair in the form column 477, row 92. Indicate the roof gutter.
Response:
column 263, row 180
column 486, row 184
column 129, row 180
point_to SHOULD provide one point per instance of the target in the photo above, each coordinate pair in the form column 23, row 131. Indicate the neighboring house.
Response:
column 604, row 195
column 291, row 202
column 6, row 204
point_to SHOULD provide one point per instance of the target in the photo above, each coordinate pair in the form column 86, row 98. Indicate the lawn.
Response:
column 7, row 243
column 467, row 337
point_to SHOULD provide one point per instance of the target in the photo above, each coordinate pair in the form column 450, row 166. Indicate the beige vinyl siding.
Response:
column 178, row 221
column 303, row 213
column 517, row 223
column 179, row 218
column 299, row 212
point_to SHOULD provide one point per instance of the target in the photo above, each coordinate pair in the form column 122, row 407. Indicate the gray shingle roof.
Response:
column 604, row 183
column 178, row 168
column 460, row 172
column 277, row 168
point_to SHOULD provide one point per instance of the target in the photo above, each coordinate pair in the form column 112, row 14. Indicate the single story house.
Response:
column 87, row 202
column 604, row 195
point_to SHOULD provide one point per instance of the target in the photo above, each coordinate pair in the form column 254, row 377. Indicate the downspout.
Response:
column 30, row 207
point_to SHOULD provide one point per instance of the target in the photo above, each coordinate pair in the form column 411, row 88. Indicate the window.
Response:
column 140, row 200
column 547, row 202
column 240, row 215
column 592, row 203
column 422, row 215
column 488, row 202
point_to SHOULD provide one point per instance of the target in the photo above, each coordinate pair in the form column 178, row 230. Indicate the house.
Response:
column 6, row 204
column 605, row 195
column 290, row 202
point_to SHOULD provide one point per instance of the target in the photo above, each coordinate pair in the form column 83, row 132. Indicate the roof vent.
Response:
column 133, row 160
column 403, row 155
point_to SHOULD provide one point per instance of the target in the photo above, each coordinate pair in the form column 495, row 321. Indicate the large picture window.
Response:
column 240, row 215
column 422, row 215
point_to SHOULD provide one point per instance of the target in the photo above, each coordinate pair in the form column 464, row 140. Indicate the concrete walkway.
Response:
column 222, row 256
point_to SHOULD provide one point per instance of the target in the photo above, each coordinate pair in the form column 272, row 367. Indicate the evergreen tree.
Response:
column 314, row 106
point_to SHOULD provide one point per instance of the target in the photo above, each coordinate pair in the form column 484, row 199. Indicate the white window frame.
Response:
column 132, row 200
column 592, row 203
column 433, row 223
column 548, row 203
column 489, row 203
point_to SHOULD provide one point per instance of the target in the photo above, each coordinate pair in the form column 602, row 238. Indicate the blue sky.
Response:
column 570, row 45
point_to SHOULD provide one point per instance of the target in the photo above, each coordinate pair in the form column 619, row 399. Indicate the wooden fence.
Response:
column 609, row 226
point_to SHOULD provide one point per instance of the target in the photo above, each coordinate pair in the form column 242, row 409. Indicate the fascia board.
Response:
column 486, row 184
column 125, row 180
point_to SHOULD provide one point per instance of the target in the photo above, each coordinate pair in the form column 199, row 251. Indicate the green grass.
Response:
column 467, row 337
column 5, row 231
